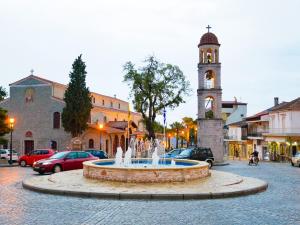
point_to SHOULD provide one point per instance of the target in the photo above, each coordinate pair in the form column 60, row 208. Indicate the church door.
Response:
column 29, row 146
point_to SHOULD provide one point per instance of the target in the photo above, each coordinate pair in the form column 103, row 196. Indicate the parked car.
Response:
column 97, row 153
column 5, row 154
column 172, row 153
column 197, row 153
column 296, row 160
column 63, row 161
column 34, row 156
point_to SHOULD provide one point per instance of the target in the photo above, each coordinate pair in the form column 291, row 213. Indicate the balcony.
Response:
column 235, row 137
column 283, row 132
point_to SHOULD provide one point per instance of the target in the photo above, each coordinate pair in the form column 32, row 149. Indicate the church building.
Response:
column 36, row 105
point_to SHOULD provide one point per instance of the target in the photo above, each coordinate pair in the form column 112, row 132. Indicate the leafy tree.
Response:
column 158, row 127
column 177, row 126
column 4, row 129
column 154, row 87
column 2, row 93
column 78, row 101
column 190, row 125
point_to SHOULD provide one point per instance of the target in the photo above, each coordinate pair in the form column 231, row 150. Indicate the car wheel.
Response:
column 210, row 164
column 41, row 173
column 57, row 169
column 23, row 163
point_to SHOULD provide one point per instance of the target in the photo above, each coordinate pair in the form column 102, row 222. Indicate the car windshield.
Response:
column 175, row 151
column 59, row 155
column 297, row 154
column 186, row 152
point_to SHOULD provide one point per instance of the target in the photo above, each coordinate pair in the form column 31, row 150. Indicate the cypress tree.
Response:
column 78, row 101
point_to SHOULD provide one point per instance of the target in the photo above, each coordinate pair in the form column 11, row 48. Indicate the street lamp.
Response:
column 100, row 128
column 11, row 126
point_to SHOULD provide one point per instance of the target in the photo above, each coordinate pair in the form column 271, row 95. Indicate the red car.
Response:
column 62, row 161
column 34, row 156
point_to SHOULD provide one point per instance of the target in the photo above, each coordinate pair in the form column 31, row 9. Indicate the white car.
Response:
column 5, row 154
column 296, row 160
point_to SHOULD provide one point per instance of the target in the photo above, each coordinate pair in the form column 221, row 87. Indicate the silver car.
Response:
column 296, row 159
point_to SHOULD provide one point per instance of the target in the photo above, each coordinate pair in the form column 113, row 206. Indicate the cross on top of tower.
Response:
column 31, row 71
column 208, row 27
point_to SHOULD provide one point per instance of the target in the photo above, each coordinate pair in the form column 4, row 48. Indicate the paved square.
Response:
column 280, row 204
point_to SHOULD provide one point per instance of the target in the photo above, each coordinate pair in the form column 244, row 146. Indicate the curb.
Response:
column 7, row 165
column 137, row 196
column 222, row 164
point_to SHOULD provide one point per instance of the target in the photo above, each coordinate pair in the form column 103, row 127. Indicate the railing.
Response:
column 283, row 131
column 256, row 134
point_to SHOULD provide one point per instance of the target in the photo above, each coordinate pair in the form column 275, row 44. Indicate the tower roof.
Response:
column 208, row 39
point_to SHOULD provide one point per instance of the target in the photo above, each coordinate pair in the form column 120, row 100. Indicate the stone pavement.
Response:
column 217, row 185
column 279, row 205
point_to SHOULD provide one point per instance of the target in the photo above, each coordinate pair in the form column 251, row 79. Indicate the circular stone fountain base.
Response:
column 142, row 171
column 218, row 185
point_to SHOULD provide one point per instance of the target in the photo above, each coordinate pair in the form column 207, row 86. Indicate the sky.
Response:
column 260, row 44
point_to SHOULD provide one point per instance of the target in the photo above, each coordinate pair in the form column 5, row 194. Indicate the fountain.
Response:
column 146, row 178
column 145, row 170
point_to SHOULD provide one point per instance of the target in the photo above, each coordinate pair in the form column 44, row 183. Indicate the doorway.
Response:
column 29, row 146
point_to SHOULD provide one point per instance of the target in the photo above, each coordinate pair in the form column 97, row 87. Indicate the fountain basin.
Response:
column 141, row 171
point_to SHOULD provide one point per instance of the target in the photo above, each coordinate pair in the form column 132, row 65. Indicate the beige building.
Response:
column 37, row 103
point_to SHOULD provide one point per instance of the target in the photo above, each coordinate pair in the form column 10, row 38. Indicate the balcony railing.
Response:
column 255, row 134
column 283, row 131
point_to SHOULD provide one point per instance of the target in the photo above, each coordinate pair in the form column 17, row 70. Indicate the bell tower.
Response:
column 210, row 122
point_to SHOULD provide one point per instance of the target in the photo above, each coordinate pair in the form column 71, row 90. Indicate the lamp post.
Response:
column 11, row 126
column 100, row 128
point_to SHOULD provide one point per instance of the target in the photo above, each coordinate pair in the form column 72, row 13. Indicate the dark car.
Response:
column 61, row 161
column 97, row 153
column 172, row 153
column 196, row 153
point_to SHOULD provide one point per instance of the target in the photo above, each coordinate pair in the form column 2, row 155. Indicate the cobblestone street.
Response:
column 280, row 204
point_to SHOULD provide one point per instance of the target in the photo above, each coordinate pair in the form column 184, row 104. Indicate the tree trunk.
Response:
column 176, row 138
column 149, row 127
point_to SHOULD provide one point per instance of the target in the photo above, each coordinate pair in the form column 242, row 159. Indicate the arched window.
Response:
column 56, row 120
column 209, row 56
column 209, row 107
column 103, row 102
column 111, row 104
column 119, row 106
column 209, row 79
column 105, row 119
column 91, row 143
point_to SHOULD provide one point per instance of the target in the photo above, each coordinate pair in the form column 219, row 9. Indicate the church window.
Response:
column 91, row 143
column 119, row 106
column 56, row 120
column 209, row 56
column 103, row 102
column 209, row 107
column 209, row 79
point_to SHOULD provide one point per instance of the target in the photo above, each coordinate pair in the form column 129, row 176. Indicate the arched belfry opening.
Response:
column 210, row 123
column 209, row 79
column 209, row 107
